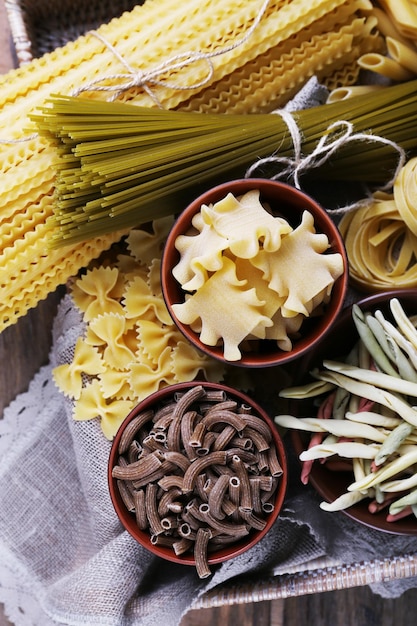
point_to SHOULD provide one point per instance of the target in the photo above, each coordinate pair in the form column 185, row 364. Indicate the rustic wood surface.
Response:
column 25, row 346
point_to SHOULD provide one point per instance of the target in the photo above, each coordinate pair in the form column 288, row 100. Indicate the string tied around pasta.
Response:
column 147, row 80
column 135, row 77
column 337, row 135
column 20, row 139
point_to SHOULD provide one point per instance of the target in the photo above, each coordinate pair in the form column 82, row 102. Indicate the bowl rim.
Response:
column 319, row 474
column 223, row 554
column 339, row 290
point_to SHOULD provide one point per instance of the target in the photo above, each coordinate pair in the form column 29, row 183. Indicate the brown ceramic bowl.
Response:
column 331, row 484
column 158, row 399
column 287, row 202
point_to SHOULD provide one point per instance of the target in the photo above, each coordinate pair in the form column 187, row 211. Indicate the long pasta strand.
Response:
column 153, row 33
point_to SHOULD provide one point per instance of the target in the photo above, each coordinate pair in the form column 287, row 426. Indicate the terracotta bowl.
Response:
column 219, row 554
column 341, row 338
column 287, row 202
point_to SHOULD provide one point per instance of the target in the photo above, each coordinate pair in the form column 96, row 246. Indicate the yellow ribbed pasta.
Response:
column 283, row 77
column 57, row 273
column 273, row 78
column 343, row 74
column 152, row 34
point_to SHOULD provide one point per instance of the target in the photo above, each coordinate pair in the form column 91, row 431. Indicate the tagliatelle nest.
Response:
column 131, row 347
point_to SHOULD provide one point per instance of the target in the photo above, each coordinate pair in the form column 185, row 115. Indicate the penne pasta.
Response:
column 200, row 552
column 387, row 67
column 343, row 93
column 403, row 54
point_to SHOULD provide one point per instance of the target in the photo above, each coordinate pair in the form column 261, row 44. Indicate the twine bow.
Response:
column 147, row 79
column 338, row 134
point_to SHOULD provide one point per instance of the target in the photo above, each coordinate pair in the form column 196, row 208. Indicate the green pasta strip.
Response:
column 122, row 165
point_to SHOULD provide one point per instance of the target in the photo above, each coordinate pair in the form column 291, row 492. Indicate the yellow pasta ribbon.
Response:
column 381, row 249
column 405, row 194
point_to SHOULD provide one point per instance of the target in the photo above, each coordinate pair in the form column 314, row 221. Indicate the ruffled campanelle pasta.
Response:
column 255, row 289
column 225, row 320
column 284, row 271
column 244, row 223
column 405, row 188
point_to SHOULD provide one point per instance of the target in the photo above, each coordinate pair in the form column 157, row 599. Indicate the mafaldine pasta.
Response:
column 256, row 289
column 166, row 41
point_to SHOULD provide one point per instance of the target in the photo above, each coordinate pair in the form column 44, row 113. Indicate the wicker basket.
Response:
column 40, row 26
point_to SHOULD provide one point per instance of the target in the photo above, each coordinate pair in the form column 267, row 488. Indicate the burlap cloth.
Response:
column 66, row 559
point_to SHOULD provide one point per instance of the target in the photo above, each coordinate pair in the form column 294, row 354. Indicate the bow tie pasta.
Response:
column 247, row 274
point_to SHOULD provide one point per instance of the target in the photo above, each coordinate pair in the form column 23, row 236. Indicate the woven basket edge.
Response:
column 20, row 36
column 311, row 581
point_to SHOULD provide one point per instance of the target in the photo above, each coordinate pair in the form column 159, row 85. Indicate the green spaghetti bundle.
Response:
column 122, row 165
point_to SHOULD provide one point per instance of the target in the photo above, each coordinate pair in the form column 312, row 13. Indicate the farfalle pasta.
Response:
column 131, row 346
column 95, row 292
column 255, row 281
column 86, row 361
